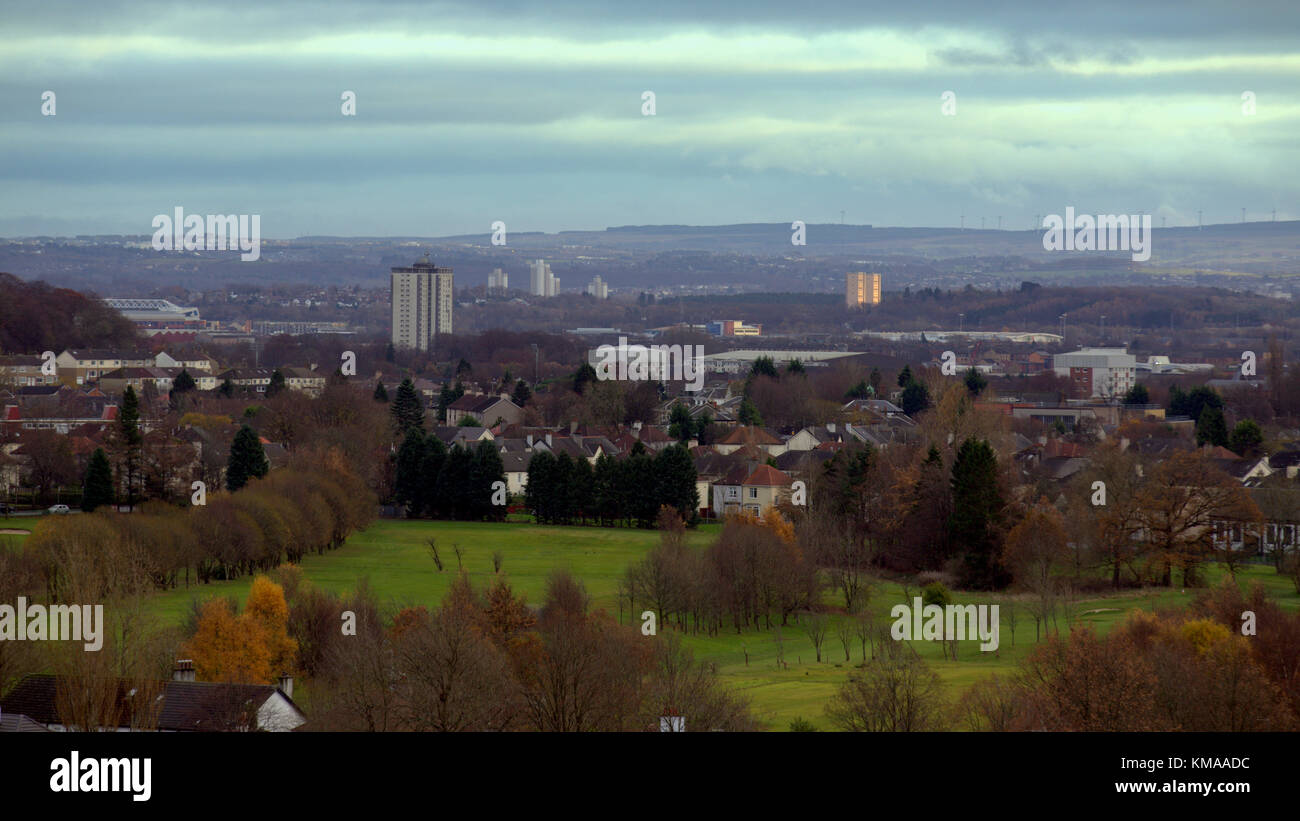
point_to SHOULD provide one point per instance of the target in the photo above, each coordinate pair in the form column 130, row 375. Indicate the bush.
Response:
column 936, row 593
column 802, row 725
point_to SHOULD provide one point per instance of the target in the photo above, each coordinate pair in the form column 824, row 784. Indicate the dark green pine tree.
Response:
column 541, row 480
column 674, row 474
column 977, row 510
column 584, row 376
column 227, row 388
column 582, row 487
column 604, row 490
column 408, row 475
column 1246, row 437
column 680, row 424
column 637, row 487
column 1194, row 402
column 435, row 455
column 905, row 376
column 381, row 393
column 975, row 382
column 455, row 482
column 916, row 398
column 764, row 366
column 407, row 410
column 390, row 353
column 561, row 490
column 748, row 414
column 277, row 384
column 1138, row 395
column 131, row 441
column 247, row 459
column 97, row 489
column 1212, row 428
column 488, row 469
column 522, row 393
column 703, row 423
column 181, row 385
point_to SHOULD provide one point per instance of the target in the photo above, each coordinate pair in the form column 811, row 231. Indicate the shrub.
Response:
column 936, row 593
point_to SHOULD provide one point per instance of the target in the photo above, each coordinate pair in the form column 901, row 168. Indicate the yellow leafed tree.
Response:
column 251, row 648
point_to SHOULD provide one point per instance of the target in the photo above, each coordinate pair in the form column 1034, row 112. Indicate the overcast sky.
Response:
column 531, row 113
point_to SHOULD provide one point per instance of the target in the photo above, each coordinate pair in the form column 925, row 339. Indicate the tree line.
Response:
column 483, row 660
column 282, row 517
column 616, row 492
column 461, row 483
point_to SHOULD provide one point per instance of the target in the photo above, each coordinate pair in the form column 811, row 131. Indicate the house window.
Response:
column 753, row 493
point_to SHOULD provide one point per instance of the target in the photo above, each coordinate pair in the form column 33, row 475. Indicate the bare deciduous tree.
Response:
column 895, row 692
column 814, row 624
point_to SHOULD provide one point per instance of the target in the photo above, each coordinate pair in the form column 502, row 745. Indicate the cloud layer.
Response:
column 470, row 113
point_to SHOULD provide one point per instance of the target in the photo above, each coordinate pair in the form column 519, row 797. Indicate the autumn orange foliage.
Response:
column 250, row 648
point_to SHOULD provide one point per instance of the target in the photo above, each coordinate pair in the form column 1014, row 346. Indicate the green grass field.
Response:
column 394, row 557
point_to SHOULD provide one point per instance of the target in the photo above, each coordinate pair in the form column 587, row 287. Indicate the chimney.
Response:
column 184, row 670
column 286, row 685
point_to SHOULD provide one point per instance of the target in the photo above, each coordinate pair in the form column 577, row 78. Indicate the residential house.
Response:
column 467, row 436
column 253, row 380
column 761, row 438
column 88, row 364
column 200, row 363
column 310, row 382
column 117, row 381
column 179, row 705
column 486, row 409
column 24, row 371
column 750, row 490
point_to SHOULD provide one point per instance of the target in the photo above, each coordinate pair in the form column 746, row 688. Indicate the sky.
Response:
column 532, row 113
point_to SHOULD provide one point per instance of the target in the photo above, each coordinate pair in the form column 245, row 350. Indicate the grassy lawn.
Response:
column 393, row 555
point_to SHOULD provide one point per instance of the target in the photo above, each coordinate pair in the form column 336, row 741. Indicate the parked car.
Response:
column 58, row 508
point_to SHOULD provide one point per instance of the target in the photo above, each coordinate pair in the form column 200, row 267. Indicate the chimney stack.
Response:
column 286, row 685
column 184, row 670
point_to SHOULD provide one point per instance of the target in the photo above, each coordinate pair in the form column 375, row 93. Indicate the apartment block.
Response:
column 422, row 304
column 861, row 289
